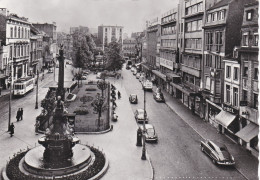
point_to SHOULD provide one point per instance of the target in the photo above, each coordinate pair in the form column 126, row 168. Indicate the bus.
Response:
column 23, row 86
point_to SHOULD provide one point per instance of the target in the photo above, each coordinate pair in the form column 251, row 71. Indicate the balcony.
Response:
column 21, row 58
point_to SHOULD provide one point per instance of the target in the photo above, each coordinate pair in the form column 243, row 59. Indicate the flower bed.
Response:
column 81, row 111
column 91, row 89
column 14, row 173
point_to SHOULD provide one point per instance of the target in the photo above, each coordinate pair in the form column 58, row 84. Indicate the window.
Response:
column 21, row 50
column 235, row 73
column 15, row 32
column 256, row 74
column 19, row 35
column 200, row 7
column 198, row 43
column 209, row 18
column 11, row 52
column 221, row 15
column 218, row 35
column 217, row 62
column 235, row 96
column 15, row 51
column 245, row 39
column 22, row 33
column 207, row 83
column 255, row 39
column 245, row 72
column 244, row 95
column 213, row 17
column 207, row 60
column 18, row 51
column 11, row 32
column 228, row 71
column 228, row 93
column 199, row 26
column 249, row 15
column 255, row 101
column 192, row 79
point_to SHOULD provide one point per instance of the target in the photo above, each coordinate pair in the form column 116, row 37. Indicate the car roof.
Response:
column 147, row 126
column 133, row 94
column 140, row 110
column 217, row 145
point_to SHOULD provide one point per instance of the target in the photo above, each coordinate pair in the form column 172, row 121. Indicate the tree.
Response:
column 102, row 85
column 99, row 106
column 113, row 57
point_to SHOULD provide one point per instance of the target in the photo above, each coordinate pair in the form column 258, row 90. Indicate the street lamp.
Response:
column 10, row 98
column 144, row 149
column 37, row 89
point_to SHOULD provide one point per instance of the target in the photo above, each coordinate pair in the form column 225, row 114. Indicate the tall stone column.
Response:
column 61, row 90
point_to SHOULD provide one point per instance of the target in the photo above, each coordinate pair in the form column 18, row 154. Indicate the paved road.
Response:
column 177, row 154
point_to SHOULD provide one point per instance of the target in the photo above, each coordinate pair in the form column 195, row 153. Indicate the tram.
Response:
column 23, row 85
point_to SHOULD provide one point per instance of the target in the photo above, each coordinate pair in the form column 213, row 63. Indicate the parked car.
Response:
column 135, row 72
column 137, row 75
column 141, row 116
column 132, row 69
column 99, row 74
column 83, row 78
column 50, row 70
column 133, row 99
column 158, row 96
column 217, row 152
column 150, row 134
column 147, row 85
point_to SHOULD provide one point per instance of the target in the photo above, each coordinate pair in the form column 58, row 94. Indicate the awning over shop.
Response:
column 161, row 75
column 172, row 75
column 248, row 132
column 183, row 89
column 225, row 118
column 144, row 66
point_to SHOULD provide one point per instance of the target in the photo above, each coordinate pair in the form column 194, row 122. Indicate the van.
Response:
column 148, row 85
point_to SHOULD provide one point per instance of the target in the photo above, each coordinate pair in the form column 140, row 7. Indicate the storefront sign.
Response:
column 229, row 108
column 166, row 63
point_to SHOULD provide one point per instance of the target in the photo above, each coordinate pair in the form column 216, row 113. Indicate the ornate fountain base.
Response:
column 33, row 162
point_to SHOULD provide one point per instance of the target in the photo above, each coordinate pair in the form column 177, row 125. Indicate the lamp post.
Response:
column 144, row 148
column 37, row 89
column 10, row 98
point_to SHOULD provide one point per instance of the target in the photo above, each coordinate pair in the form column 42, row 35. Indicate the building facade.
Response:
column 15, row 36
column 221, row 34
column 248, row 52
column 129, row 48
column 107, row 34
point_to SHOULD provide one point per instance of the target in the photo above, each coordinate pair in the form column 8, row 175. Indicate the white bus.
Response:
column 23, row 86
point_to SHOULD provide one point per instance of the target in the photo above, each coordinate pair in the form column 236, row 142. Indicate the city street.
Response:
column 177, row 154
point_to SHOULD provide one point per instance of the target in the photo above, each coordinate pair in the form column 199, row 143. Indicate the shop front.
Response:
column 228, row 121
column 147, row 70
column 160, row 78
column 212, row 110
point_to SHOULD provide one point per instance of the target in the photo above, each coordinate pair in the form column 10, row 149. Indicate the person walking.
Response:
column 118, row 94
column 11, row 130
column 21, row 113
column 193, row 109
column 18, row 114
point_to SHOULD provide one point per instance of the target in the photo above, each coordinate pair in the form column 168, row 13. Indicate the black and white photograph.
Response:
column 129, row 89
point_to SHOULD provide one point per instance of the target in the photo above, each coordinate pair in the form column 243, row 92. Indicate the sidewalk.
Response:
column 246, row 163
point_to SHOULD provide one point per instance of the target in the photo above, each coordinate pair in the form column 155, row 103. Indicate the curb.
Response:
column 150, row 163
column 101, row 132
column 102, row 172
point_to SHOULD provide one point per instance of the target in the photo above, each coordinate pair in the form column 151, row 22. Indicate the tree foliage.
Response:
column 113, row 57
column 83, row 49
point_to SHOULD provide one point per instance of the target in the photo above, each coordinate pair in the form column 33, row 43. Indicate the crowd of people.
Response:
column 114, row 105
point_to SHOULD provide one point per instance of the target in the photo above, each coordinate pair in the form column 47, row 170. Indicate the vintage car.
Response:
column 150, row 134
column 158, row 96
column 141, row 116
column 137, row 76
column 133, row 99
column 217, row 152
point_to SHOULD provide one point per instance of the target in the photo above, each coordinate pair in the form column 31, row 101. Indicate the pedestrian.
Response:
column 193, row 109
column 21, row 113
column 18, row 114
column 118, row 94
column 114, row 103
column 37, row 125
column 11, row 129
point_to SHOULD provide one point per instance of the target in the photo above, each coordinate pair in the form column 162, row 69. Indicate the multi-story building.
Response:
column 3, row 65
column 107, row 34
column 222, row 27
column 15, row 35
column 50, row 31
column 169, row 58
column 249, row 86
column 129, row 48
column 36, row 60
column 153, row 43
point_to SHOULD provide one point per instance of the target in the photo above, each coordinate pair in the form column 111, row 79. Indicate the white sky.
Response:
column 131, row 14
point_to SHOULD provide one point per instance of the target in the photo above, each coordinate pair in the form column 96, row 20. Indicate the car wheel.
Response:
column 214, row 161
column 202, row 148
